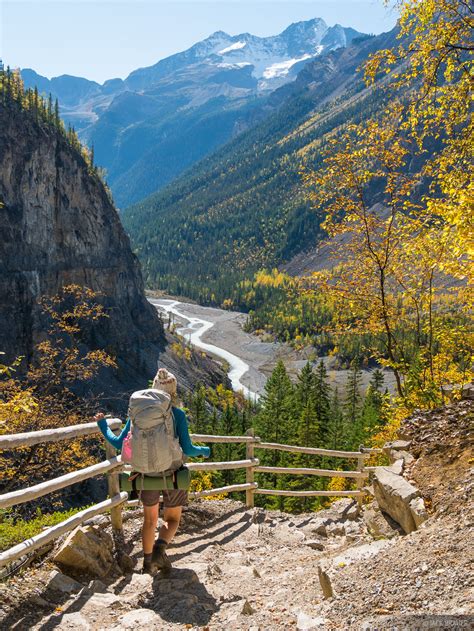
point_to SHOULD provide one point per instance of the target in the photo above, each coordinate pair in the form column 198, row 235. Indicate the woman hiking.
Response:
column 164, row 389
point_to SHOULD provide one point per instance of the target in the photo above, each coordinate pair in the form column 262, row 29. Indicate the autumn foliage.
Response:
column 402, row 266
column 47, row 396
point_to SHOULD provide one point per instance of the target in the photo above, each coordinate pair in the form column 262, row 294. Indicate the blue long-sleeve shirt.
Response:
column 181, row 429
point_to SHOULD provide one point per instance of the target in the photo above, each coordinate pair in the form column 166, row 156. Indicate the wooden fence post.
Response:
column 360, row 481
column 113, row 482
column 249, row 472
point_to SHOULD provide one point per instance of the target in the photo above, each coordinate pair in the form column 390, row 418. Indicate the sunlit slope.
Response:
column 244, row 207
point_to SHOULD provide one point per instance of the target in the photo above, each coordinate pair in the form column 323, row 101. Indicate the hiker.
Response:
column 178, row 444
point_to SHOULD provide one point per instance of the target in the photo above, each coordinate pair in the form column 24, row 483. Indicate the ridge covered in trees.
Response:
column 245, row 207
column 45, row 112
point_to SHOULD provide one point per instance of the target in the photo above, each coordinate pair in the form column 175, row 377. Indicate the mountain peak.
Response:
column 218, row 35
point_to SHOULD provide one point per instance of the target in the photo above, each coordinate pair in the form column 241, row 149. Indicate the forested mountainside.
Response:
column 244, row 207
column 149, row 128
column 59, row 228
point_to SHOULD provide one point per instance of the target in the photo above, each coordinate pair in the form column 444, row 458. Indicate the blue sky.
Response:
column 110, row 38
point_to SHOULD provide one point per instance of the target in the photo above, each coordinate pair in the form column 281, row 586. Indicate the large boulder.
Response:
column 395, row 495
column 87, row 549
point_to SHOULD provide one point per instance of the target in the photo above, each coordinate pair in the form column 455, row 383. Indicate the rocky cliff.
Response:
column 57, row 227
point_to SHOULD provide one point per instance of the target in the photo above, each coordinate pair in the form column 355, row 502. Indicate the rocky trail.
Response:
column 241, row 569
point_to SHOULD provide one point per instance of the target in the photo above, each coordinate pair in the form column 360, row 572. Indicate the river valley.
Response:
column 220, row 333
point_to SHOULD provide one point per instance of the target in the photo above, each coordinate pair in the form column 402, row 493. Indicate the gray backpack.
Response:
column 154, row 445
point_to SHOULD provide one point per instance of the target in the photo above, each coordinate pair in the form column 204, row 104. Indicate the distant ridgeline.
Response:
column 58, row 227
column 244, row 207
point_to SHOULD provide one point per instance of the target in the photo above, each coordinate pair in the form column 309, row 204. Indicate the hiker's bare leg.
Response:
column 171, row 518
column 149, row 527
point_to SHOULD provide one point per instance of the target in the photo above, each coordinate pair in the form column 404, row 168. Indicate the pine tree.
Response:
column 198, row 412
column 322, row 402
column 353, row 406
column 36, row 103
column 304, row 387
column 374, row 391
column 336, row 425
column 371, row 413
column 275, row 422
column 352, row 398
column 57, row 119
column 50, row 108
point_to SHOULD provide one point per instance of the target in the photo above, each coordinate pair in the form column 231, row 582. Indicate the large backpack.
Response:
column 154, row 445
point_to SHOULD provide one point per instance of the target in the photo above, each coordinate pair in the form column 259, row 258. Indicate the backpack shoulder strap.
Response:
column 175, row 427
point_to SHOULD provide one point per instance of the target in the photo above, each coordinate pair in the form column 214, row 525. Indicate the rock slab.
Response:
column 394, row 495
column 87, row 549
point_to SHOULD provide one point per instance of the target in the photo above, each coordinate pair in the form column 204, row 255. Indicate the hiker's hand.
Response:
column 99, row 416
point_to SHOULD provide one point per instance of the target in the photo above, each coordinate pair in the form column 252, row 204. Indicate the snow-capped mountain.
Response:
column 150, row 127
column 272, row 61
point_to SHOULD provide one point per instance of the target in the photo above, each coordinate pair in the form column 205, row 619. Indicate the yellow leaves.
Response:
column 182, row 351
column 397, row 259
column 338, row 484
column 228, row 304
column 204, row 481
column 273, row 279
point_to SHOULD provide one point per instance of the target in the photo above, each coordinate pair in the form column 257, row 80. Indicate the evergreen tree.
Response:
column 304, row 387
column 353, row 408
column 374, row 392
column 274, row 422
column 336, row 425
column 198, row 412
column 352, row 398
column 372, row 413
column 57, row 119
column 322, row 403
column 36, row 103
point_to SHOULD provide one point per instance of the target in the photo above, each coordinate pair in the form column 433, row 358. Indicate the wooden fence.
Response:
column 113, row 465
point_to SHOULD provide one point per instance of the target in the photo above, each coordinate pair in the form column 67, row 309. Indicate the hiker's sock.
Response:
column 147, row 558
column 161, row 542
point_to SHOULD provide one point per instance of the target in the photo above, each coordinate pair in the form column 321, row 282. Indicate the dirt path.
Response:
column 253, row 570
column 236, row 569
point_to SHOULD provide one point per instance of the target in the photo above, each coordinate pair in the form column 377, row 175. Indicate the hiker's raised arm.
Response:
column 182, row 431
column 115, row 441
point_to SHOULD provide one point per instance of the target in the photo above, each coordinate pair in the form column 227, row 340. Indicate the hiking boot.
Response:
column 147, row 568
column 159, row 558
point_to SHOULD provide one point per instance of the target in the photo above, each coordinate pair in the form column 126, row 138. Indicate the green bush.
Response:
column 15, row 530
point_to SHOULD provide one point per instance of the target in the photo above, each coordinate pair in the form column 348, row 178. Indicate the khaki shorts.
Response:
column 171, row 499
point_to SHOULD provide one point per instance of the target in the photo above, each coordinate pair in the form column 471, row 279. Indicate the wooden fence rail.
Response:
column 44, row 488
column 314, row 451
column 328, row 473
column 113, row 465
column 28, row 439
column 356, row 494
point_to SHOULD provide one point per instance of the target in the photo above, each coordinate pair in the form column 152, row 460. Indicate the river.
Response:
column 194, row 328
column 220, row 333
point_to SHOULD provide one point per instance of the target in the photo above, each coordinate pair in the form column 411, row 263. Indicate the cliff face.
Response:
column 57, row 227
